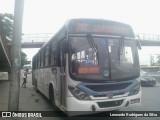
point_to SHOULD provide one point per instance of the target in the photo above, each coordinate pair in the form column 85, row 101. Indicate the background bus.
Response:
column 89, row 65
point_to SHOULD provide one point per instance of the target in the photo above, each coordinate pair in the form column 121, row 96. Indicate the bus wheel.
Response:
column 51, row 98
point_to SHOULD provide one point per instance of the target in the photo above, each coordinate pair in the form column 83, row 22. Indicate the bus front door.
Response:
column 62, row 78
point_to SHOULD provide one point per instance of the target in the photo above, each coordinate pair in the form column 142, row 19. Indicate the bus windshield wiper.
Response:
column 93, row 45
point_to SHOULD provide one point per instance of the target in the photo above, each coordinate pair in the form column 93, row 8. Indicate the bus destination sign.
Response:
column 97, row 28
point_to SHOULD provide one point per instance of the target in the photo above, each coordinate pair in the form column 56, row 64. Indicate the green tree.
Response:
column 24, row 60
column 7, row 24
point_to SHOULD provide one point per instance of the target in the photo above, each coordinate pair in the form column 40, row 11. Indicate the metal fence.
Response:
column 44, row 37
column 148, row 37
column 39, row 37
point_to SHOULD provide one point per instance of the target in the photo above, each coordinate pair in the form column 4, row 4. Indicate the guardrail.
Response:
column 44, row 37
column 39, row 37
column 148, row 37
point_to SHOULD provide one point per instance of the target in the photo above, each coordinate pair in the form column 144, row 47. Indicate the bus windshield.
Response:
column 103, row 58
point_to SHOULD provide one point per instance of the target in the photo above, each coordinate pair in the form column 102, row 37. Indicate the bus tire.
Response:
column 51, row 98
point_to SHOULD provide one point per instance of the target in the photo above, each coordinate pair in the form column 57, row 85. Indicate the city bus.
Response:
column 89, row 66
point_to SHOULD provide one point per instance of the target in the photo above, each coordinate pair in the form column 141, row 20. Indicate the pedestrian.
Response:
column 25, row 78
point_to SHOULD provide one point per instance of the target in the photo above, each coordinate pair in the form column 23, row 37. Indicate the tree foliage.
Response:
column 7, row 24
column 24, row 60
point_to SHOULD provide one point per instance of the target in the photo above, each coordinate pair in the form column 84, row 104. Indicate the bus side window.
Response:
column 53, row 55
column 39, row 61
column 36, row 61
column 64, row 49
column 42, row 58
column 47, row 56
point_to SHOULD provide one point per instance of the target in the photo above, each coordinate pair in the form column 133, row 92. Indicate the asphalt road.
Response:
column 32, row 101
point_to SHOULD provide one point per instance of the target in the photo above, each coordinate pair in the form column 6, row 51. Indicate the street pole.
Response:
column 14, row 77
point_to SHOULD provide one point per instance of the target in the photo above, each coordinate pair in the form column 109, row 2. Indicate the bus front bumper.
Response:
column 79, row 107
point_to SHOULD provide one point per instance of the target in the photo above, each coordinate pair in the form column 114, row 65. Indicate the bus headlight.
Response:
column 78, row 93
column 135, row 90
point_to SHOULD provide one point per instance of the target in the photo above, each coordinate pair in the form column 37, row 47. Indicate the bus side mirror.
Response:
column 138, row 44
column 65, row 46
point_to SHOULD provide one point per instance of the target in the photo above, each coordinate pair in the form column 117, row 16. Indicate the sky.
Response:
column 48, row 16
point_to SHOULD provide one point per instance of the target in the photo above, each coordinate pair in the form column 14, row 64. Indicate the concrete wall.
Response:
column 3, row 75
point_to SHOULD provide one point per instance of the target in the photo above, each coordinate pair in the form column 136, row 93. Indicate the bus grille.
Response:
column 110, row 103
column 108, row 87
column 104, row 95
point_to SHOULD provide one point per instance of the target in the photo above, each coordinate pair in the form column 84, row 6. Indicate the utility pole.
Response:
column 14, row 74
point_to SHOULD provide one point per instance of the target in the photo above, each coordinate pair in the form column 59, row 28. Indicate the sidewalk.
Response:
column 29, row 100
column 4, row 94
